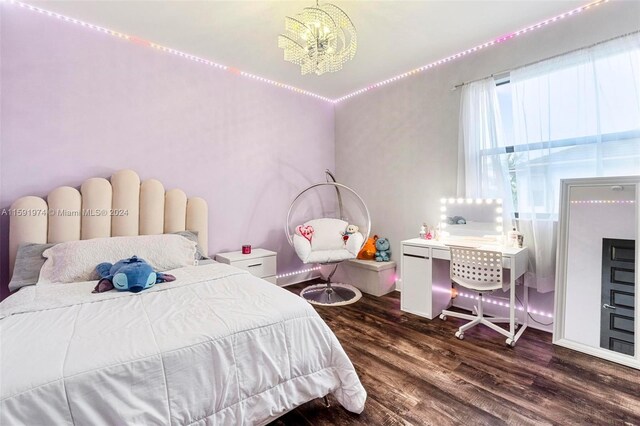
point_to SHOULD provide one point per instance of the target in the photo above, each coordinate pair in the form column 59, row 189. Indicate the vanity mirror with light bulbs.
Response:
column 597, row 297
column 471, row 219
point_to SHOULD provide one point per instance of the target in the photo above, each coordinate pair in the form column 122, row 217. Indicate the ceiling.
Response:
column 393, row 36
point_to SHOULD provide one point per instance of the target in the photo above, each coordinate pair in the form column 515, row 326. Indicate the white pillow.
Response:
column 327, row 233
column 76, row 261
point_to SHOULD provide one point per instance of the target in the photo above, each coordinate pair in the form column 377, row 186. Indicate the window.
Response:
column 575, row 115
column 577, row 121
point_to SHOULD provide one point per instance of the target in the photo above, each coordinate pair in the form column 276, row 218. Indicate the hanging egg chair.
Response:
column 328, row 223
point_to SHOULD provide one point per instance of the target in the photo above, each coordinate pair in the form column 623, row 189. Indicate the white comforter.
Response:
column 217, row 346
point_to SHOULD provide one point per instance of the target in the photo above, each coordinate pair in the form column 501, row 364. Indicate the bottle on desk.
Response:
column 423, row 231
column 514, row 238
column 430, row 233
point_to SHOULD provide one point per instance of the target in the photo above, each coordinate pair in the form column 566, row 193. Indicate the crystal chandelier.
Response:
column 320, row 39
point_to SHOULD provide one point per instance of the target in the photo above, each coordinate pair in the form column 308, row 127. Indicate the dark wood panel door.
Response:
column 618, row 296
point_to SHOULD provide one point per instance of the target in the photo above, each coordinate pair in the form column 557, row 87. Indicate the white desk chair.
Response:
column 480, row 271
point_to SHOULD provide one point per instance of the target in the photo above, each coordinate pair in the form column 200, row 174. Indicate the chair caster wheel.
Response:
column 511, row 343
column 443, row 317
column 460, row 335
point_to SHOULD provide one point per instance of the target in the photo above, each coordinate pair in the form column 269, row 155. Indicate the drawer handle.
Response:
column 255, row 264
column 415, row 255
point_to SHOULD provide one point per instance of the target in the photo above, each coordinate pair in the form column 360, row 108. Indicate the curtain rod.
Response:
column 457, row 86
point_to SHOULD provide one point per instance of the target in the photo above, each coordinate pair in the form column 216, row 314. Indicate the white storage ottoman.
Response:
column 371, row 277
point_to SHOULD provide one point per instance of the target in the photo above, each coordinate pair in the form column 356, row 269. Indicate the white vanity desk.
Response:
column 426, row 282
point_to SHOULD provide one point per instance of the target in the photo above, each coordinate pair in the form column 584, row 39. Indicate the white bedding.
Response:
column 216, row 346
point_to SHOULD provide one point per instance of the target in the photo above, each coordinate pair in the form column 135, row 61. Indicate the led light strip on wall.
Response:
column 302, row 271
column 194, row 58
column 474, row 49
column 143, row 42
column 505, row 304
column 603, row 202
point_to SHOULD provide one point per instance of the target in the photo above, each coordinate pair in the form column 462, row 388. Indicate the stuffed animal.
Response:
column 368, row 251
column 456, row 220
column 383, row 250
column 351, row 229
column 133, row 274
column 305, row 231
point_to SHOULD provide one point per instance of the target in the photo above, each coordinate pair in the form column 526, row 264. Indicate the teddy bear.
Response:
column 351, row 229
column 383, row 250
column 132, row 274
column 368, row 251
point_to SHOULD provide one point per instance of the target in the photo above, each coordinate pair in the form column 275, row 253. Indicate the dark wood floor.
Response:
column 416, row 372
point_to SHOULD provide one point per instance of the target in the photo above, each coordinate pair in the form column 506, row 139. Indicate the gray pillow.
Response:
column 193, row 236
column 29, row 261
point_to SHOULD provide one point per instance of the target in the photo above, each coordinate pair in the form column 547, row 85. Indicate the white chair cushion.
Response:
column 354, row 244
column 324, row 246
column 327, row 233
column 327, row 256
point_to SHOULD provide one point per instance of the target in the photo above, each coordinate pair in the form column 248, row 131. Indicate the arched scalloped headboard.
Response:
column 122, row 207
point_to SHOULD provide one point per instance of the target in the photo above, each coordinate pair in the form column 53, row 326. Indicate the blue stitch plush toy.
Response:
column 383, row 250
column 133, row 274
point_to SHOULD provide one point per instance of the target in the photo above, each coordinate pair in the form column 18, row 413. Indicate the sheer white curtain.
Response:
column 575, row 115
column 480, row 175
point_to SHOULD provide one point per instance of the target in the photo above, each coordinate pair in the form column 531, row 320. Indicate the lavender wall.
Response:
column 78, row 104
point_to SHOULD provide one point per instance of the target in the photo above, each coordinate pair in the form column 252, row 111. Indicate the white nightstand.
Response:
column 261, row 262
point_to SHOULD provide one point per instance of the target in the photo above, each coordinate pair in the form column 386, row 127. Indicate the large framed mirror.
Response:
column 596, row 277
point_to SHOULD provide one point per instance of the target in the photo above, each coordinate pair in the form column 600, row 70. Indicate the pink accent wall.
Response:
column 78, row 104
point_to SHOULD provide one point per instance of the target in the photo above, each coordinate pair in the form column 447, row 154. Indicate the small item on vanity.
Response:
column 459, row 220
column 512, row 237
column 520, row 240
column 430, row 234
column 246, row 249
column 423, row 231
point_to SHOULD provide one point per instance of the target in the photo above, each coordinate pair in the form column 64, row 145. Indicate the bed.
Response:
column 215, row 346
